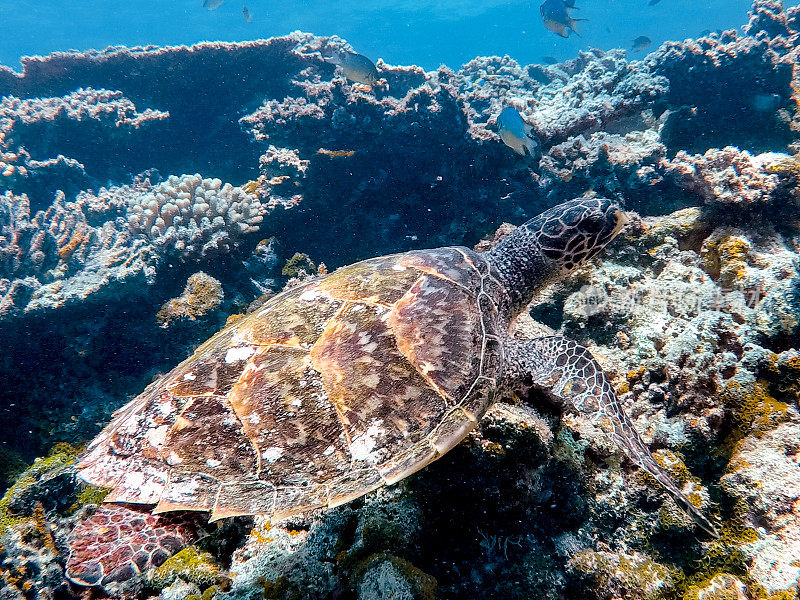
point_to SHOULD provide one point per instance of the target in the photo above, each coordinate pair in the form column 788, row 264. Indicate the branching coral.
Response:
column 82, row 104
column 99, row 244
column 193, row 216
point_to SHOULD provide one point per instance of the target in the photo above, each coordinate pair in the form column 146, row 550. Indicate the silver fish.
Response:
column 356, row 67
column 246, row 14
column 515, row 132
column 212, row 4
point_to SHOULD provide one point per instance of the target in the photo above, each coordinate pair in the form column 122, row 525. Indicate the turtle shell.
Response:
column 326, row 392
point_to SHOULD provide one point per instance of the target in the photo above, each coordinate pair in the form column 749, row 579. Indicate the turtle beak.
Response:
column 622, row 220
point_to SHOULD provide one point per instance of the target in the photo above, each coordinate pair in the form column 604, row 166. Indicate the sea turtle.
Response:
column 343, row 384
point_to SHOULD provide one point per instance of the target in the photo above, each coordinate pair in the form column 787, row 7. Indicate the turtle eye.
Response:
column 593, row 224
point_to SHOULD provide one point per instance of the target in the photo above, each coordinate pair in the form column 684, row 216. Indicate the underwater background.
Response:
column 153, row 191
column 423, row 33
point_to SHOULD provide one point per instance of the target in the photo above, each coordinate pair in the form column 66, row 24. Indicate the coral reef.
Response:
column 194, row 216
column 764, row 475
column 201, row 295
column 687, row 324
column 694, row 312
column 28, row 128
column 758, row 65
column 729, row 175
column 619, row 575
column 112, row 244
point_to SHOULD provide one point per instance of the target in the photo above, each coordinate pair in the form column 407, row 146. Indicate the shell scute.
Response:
column 208, row 438
column 455, row 265
column 245, row 497
column 188, row 491
column 353, row 484
column 438, row 331
column 288, row 418
column 381, row 280
column 214, row 367
column 382, row 401
column 295, row 318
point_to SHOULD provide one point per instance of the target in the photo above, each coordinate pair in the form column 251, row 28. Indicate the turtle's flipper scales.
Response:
column 118, row 543
column 568, row 373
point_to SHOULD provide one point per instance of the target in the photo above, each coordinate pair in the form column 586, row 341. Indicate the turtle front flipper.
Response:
column 568, row 373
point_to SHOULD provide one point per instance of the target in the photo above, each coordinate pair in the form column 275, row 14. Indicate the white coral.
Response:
column 195, row 215
column 727, row 176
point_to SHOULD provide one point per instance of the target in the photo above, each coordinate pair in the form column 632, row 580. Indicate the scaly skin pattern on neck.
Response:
column 552, row 244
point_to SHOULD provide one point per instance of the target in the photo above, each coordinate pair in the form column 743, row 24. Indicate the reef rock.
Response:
column 765, row 477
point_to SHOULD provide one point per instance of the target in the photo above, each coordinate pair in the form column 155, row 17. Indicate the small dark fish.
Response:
column 641, row 42
column 356, row 67
column 246, row 14
column 765, row 103
column 653, row 2
column 549, row 60
column 556, row 18
column 212, row 4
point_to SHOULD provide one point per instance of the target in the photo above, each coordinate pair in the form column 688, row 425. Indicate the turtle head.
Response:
column 554, row 243
column 573, row 232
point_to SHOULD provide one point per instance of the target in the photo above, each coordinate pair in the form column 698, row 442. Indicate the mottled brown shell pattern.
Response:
column 328, row 391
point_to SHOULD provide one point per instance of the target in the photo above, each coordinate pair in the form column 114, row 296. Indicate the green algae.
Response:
column 61, row 455
column 724, row 556
column 90, row 494
column 206, row 595
column 298, row 264
column 753, row 411
column 720, row 587
column 201, row 295
column 210, row 592
column 635, row 576
column 726, row 259
column 756, row 411
column 191, row 566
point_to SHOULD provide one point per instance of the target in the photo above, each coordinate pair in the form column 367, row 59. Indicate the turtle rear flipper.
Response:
column 118, row 543
column 568, row 373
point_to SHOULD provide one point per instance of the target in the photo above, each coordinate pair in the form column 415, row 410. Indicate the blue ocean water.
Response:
column 419, row 32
